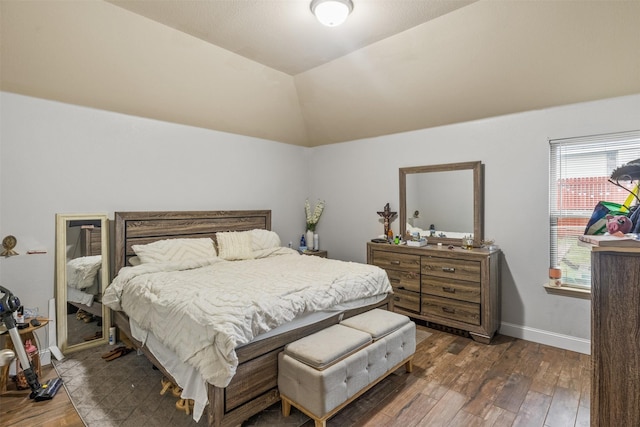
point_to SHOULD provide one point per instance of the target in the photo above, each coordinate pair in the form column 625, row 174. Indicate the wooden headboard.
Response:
column 90, row 240
column 139, row 228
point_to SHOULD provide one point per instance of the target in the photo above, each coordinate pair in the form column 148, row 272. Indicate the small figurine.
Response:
column 388, row 216
column 618, row 224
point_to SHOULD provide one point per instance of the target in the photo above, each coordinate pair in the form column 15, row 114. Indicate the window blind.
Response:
column 579, row 178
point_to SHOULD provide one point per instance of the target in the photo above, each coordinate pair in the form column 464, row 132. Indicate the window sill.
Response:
column 568, row 291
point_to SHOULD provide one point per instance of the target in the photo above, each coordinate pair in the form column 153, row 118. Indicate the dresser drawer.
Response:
column 449, row 288
column 462, row 311
column 406, row 300
column 404, row 280
column 458, row 269
column 396, row 261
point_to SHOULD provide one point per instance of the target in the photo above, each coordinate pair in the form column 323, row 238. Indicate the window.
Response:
column 579, row 178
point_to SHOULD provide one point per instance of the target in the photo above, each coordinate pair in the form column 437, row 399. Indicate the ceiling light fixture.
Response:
column 331, row 12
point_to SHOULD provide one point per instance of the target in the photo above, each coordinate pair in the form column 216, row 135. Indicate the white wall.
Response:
column 359, row 177
column 59, row 158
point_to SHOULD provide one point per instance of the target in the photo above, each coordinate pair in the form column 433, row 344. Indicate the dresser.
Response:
column 458, row 288
column 615, row 336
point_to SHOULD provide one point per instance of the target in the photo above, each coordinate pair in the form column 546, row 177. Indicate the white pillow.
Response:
column 235, row 245
column 81, row 272
column 264, row 239
column 175, row 250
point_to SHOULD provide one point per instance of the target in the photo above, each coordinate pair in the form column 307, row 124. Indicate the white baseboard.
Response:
column 540, row 336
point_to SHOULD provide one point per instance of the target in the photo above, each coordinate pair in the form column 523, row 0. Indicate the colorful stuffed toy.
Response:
column 618, row 224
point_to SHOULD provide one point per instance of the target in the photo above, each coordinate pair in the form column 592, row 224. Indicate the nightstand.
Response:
column 25, row 334
column 321, row 254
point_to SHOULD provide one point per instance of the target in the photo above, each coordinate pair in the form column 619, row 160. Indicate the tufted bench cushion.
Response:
column 376, row 322
column 320, row 393
column 327, row 346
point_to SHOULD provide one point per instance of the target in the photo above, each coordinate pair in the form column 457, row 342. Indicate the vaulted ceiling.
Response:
column 284, row 35
column 267, row 69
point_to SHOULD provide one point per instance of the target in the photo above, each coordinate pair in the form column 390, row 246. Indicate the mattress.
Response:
column 202, row 310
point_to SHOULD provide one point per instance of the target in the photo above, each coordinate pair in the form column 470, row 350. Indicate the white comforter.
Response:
column 204, row 309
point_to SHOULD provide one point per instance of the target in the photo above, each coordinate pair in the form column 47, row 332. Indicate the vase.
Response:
column 309, row 238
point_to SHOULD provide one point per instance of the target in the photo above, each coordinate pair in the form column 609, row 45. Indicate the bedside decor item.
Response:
column 312, row 221
column 8, row 243
column 388, row 217
column 309, row 238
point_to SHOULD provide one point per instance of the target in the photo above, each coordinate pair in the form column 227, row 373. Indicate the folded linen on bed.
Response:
column 204, row 309
column 78, row 296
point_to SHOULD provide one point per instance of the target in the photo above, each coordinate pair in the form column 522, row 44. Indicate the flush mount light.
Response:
column 331, row 12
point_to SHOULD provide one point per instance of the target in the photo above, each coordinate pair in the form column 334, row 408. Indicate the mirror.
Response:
column 82, row 273
column 443, row 203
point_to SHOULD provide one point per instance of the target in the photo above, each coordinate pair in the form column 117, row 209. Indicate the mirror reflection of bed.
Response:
column 82, row 264
column 84, row 284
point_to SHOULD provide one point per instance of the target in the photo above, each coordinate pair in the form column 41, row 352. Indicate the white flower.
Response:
column 312, row 220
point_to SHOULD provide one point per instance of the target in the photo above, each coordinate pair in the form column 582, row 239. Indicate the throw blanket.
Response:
column 204, row 309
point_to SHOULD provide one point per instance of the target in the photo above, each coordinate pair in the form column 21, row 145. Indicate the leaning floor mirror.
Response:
column 82, row 274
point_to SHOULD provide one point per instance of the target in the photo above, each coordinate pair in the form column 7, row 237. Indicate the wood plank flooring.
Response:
column 455, row 382
column 17, row 410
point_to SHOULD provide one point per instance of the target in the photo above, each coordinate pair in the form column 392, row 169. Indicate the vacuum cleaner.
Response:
column 10, row 303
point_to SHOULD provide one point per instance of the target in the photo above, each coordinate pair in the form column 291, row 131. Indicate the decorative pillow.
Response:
column 134, row 260
column 235, row 245
column 175, row 250
column 264, row 239
column 81, row 272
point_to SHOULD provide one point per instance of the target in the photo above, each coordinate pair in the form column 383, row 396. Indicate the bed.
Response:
column 253, row 385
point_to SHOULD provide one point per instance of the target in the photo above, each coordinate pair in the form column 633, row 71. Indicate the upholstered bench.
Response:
column 322, row 373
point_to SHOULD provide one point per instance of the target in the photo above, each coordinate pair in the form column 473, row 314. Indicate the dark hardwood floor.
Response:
column 17, row 410
column 455, row 382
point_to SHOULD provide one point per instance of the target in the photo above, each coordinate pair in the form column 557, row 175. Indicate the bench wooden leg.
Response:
column 286, row 407
column 409, row 365
column 320, row 423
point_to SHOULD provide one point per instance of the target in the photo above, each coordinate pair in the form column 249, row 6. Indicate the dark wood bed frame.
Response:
column 254, row 386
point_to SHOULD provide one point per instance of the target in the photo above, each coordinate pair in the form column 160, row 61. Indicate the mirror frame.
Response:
column 61, row 280
column 478, row 199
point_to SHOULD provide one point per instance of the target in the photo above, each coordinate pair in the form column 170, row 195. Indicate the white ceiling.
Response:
column 283, row 34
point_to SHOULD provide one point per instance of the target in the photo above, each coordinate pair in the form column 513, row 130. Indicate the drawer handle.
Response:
column 394, row 262
column 402, row 288
column 394, row 280
column 396, row 298
column 448, row 269
column 449, row 310
column 450, row 290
